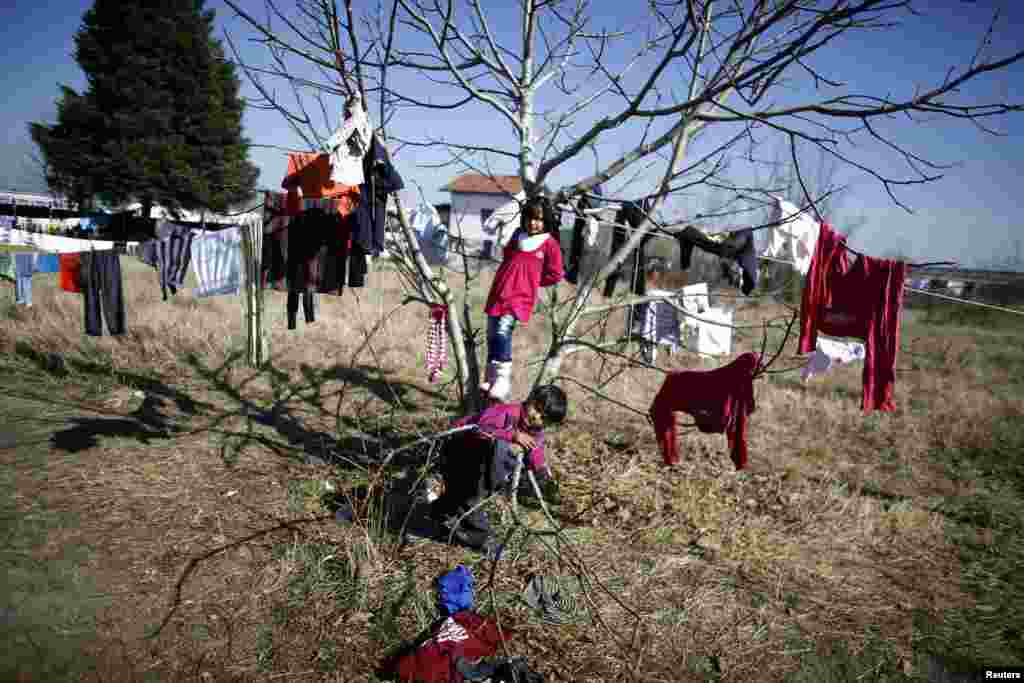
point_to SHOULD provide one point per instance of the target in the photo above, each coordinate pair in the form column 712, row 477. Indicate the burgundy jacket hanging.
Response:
column 719, row 400
column 861, row 300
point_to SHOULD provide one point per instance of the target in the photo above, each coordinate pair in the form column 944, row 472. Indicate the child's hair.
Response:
column 551, row 401
column 532, row 210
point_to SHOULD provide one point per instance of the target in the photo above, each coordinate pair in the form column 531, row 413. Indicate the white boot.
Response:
column 489, row 375
column 503, row 381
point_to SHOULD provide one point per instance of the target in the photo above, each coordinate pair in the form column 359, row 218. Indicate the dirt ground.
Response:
column 165, row 517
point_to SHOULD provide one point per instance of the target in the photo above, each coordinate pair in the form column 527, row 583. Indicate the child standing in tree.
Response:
column 532, row 259
column 482, row 462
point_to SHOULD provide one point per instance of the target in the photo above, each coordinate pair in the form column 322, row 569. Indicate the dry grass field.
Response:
column 164, row 516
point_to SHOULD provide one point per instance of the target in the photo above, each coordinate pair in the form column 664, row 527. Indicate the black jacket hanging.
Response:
column 380, row 180
column 737, row 247
column 321, row 256
column 575, row 260
column 629, row 216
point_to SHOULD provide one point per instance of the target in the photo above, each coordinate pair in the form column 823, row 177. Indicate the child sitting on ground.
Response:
column 531, row 260
column 482, row 462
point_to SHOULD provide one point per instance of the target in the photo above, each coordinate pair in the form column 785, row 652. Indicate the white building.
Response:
column 475, row 198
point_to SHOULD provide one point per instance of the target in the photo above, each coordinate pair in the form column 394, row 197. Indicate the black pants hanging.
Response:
column 293, row 307
column 101, row 289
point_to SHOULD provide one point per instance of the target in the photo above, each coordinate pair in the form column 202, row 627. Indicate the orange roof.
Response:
column 475, row 183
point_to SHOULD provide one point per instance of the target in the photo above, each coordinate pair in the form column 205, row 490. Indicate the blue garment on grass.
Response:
column 455, row 590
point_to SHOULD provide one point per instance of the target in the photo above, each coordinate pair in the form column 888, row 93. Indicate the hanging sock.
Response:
column 437, row 342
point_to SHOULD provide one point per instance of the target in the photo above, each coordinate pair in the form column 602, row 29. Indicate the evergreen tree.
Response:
column 160, row 119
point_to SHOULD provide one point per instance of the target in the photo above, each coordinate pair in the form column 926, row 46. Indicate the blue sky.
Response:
column 974, row 213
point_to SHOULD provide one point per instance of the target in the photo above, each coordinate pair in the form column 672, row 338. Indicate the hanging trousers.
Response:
column 293, row 307
column 101, row 289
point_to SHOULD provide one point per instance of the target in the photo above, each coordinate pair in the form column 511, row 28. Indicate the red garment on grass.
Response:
column 71, row 272
column 520, row 275
column 465, row 634
column 861, row 300
column 719, row 400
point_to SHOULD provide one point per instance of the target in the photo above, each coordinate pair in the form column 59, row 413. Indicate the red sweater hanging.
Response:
column 861, row 300
column 719, row 400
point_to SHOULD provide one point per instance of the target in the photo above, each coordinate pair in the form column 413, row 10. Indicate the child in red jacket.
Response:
column 532, row 259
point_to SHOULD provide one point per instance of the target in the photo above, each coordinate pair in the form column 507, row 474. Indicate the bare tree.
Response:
column 690, row 88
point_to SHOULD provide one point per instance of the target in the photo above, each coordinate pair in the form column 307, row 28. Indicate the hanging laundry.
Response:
column 792, row 239
column 71, row 272
column 322, row 256
column 861, row 300
column 719, row 400
column 170, row 253
column 437, row 343
column 309, row 179
column 584, row 231
column 829, row 353
column 274, row 257
column 736, row 248
column 711, row 334
column 47, row 263
column 7, row 271
column 635, row 267
column 217, row 262
column 463, row 638
column 102, row 290
column 659, row 324
column 381, row 180
column 350, row 143
column 694, row 298
column 431, row 233
column 24, row 266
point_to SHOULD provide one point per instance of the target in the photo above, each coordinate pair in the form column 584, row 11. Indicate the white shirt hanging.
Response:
column 794, row 239
column 831, row 352
column 348, row 145
column 712, row 335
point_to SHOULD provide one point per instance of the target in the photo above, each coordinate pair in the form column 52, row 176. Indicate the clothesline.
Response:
column 963, row 301
column 967, row 302
column 661, row 231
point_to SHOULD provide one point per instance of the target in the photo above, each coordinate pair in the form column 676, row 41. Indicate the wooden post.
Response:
column 252, row 249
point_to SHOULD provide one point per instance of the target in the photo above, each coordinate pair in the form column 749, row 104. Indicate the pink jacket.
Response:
column 520, row 275
column 501, row 421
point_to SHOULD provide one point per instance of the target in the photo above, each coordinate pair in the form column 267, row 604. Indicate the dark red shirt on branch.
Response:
column 719, row 400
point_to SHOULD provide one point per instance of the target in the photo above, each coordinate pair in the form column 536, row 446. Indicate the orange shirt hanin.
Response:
column 71, row 272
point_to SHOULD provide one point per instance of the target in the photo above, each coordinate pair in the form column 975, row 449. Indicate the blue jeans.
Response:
column 24, row 265
column 499, row 337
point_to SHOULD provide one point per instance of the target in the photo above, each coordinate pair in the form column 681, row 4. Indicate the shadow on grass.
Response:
column 147, row 425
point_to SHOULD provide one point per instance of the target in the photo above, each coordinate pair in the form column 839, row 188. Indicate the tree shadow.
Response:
column 59, row 366
column 147, row 424
column 351, row 445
